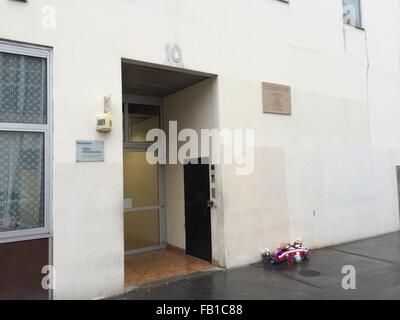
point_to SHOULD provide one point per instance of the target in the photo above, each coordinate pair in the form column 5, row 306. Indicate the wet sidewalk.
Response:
column 376, row 260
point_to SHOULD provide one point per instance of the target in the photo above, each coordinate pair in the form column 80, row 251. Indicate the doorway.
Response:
column 198, row 210
column 148, row 257
column 154, row 195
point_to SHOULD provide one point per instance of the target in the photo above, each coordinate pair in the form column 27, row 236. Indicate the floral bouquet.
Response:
column 287, row 253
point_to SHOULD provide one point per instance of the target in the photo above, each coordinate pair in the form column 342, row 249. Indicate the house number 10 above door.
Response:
column 174, row 54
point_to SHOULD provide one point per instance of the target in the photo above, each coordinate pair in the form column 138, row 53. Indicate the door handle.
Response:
column 210, row 204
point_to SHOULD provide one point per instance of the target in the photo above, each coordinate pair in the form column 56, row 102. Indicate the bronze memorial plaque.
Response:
column 276, row 98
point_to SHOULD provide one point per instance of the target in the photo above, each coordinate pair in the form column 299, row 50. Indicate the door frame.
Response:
column 142, row 146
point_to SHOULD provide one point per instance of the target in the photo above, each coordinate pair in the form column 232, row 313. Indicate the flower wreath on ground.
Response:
column 287, row 253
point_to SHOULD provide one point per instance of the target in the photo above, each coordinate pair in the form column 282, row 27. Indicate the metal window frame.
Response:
column 360, row 13
column 140, row 147
column 46, row 129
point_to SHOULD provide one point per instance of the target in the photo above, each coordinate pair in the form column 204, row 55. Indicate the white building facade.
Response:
column 326, row 173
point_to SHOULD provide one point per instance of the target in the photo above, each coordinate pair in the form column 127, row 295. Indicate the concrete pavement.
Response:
column 376, row 260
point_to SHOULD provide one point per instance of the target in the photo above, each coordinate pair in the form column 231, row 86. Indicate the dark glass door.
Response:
column 197, row 211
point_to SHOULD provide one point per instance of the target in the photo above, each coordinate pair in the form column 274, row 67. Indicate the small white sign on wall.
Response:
column 89, row 151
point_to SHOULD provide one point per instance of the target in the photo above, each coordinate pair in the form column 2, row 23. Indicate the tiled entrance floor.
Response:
column 160, row 265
